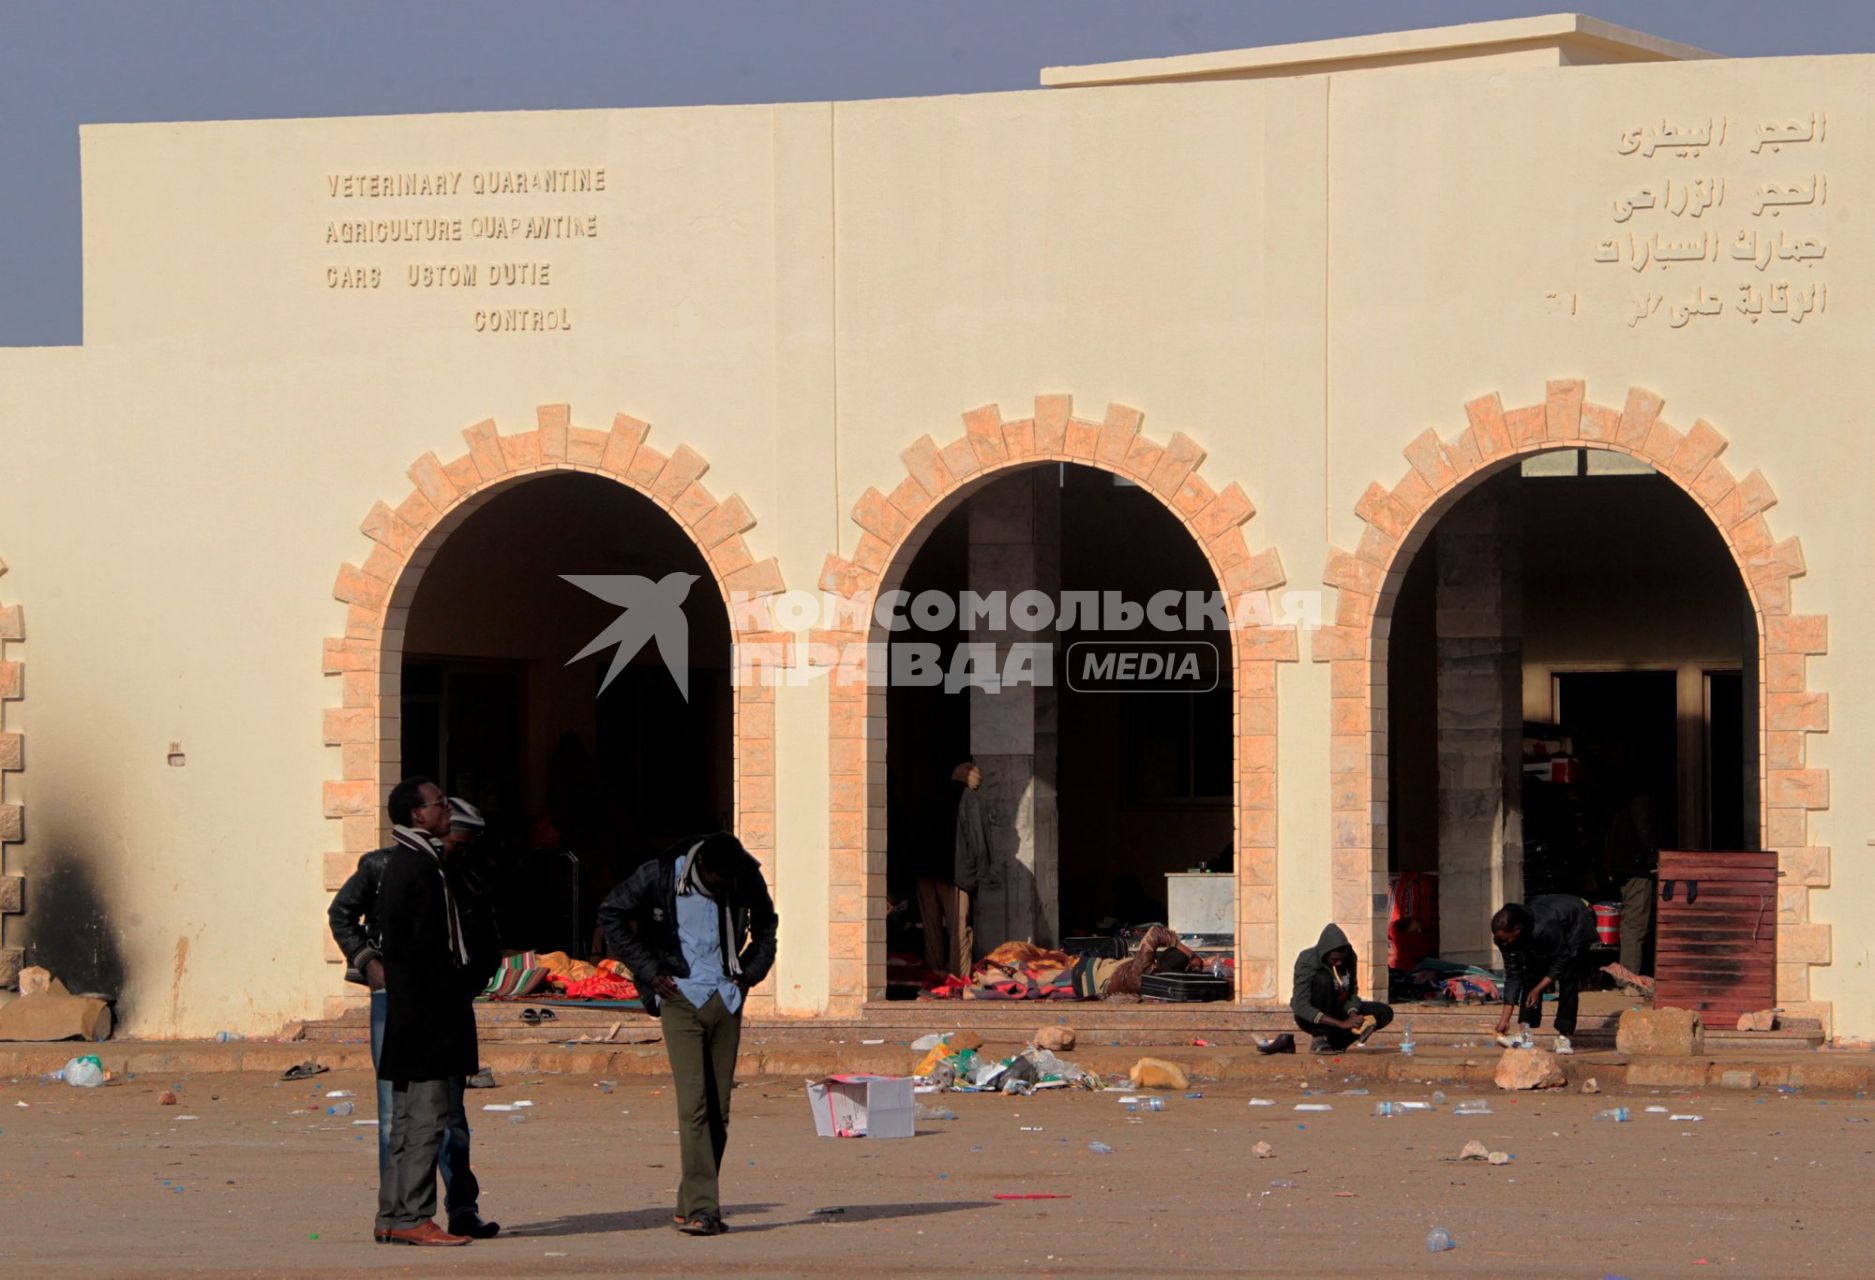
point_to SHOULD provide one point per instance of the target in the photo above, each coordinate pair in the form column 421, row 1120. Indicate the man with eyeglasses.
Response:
column 424, row 948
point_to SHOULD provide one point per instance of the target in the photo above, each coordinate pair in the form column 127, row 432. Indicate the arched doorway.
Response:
column 612, row 502
column 1013, row 471
column 1477, row 481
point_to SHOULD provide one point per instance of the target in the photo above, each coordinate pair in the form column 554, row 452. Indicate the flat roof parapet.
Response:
column 1573, row 39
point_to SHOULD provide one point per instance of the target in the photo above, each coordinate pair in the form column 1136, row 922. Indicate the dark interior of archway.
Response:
column 579, row 785
column 1143, row 779
column 1632, row 651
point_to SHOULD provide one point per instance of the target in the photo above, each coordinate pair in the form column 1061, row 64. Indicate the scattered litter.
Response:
column 1030, row 1195
column 1691, row 1118
column 1438, row 1240
column 1438, row 1097
column 82, row 1073
column 1157, row 1073
column 872, row 1041
column 1472, row 1107
column 302, row 1070
column 522, row 1102
column 365, row 1124
column 603, row 1086
column 1262, row 1102
column 341, row 1109
column 166, row 1099
column 1475, row 1150
column 1313, row 1106
column 1031, row 1128
column 1500, row 1157
column 228, row 1037
column 1194, row 1095
column 926, row 1043
column 862, row 1106
column 341, row 1093
column 1656, row 1111
column 1130, row 1099
column 1263, row 1151
column 1285, row 1184
column 497, row 1106
column 1100, row 1148
column 517, row 1118
column 1590, row 1086
column 1199, row 1042
column 1354, row 1093
column 922, row 1112
column 188, row 1117
column 553, row 1253
column 1619, row 1115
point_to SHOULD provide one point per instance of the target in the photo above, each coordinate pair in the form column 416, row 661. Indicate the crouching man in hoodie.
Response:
column 696, row 928
column 1326, row 999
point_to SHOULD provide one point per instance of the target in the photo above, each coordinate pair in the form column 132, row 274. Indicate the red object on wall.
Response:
column 1413, row 918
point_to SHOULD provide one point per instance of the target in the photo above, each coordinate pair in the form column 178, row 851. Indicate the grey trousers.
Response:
column 1637, row 922
column 407, row 1191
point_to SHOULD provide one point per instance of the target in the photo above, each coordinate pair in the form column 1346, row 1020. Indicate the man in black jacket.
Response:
column 354, row 919
column 437, row 952
column 696, row 928
column 1545, row 945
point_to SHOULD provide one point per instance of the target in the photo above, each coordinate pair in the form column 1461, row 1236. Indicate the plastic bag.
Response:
column 83, row 1073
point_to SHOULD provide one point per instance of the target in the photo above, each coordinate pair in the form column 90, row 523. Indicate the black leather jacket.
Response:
column 353, row 912
column 639, row 918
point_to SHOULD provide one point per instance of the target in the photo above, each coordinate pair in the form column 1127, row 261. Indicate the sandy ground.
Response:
column 250, row 1177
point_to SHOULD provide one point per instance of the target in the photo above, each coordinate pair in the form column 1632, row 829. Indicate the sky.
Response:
column 64, row 63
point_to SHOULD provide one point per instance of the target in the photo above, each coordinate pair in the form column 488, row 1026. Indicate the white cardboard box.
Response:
column 862, row 1106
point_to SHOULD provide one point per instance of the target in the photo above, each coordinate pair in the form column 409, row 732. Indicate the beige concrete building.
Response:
column 1506, row 380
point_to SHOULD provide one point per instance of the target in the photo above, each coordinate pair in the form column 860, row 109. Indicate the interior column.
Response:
column 1015, row 546
column 1480, row 666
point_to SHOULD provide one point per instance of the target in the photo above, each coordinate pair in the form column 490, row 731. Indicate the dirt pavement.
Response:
column 106, row 1182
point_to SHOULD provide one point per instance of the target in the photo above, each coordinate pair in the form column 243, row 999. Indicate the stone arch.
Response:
column 378, row 593
column 1398, row 520
column 12, row 760
column 892, row 528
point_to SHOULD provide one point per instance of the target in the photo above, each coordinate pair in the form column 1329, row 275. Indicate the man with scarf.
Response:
column 355, row 921
column 696, row 928
column 437, row 953
column 1326, row 997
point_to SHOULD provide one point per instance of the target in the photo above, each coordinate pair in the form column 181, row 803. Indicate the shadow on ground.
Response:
column 582, row 1224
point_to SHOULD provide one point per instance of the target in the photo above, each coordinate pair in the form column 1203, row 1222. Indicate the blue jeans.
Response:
column 461, row 1191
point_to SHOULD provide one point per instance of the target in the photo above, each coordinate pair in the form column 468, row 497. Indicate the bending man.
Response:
column 1546, row 947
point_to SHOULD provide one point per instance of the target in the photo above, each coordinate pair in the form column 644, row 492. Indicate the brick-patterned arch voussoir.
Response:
column 12, row 760
column 1400, row 517
column 378, row 593
column 892, row 528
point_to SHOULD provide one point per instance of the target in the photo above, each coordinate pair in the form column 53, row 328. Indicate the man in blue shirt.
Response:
column 697, row 930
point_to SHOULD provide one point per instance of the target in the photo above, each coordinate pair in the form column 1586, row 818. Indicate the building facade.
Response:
column 1574, row 308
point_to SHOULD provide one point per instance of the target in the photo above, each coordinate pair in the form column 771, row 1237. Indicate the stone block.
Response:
column 11, row 958
column 12, row 894
column 1660, row 1033
column 1529, row 1069
column 1738, row 1079
column 1762, row 1020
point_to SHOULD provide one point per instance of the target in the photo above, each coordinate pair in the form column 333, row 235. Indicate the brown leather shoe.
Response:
column 427, row 1233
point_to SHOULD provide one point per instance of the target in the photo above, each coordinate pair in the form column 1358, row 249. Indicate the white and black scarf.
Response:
column 424, row 842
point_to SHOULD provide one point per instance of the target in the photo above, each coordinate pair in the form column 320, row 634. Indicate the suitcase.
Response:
column 1183, row 988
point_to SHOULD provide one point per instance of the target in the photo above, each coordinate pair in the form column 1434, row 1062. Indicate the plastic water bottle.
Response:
column 228, row 1037
column 341, row 1108
column 1155, row 1104
column 1407, row 1044
column 1618, row 1114
column 1438, row 1240
column 1438, row 1097
column 1384, row 1109
column 1100, row 1148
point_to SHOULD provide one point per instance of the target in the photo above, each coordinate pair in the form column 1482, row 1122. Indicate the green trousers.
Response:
column 702, row 1045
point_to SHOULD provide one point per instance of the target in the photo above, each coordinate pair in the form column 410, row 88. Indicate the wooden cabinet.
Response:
column 1716, row 934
